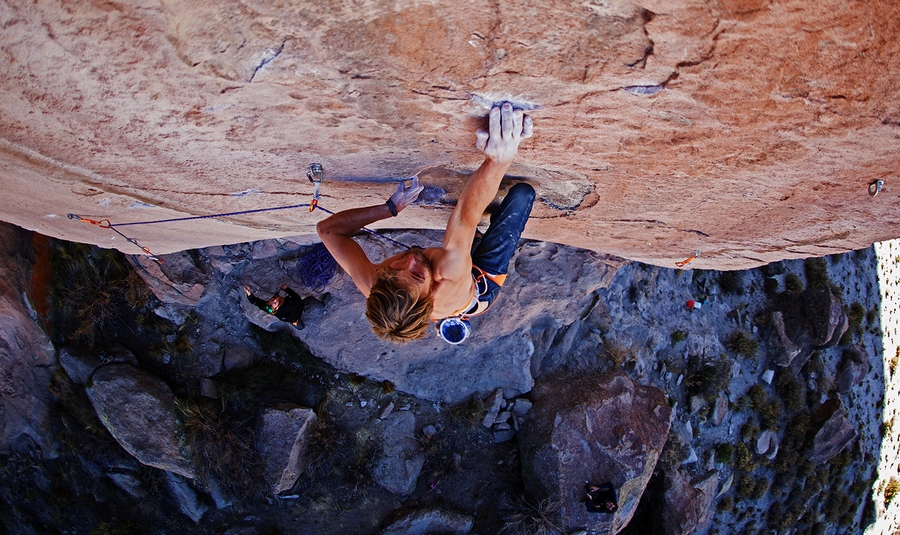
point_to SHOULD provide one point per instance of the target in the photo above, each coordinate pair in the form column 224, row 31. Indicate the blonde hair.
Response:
column 394, row 312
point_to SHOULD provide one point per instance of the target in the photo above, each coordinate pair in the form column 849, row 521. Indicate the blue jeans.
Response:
column 498, row 245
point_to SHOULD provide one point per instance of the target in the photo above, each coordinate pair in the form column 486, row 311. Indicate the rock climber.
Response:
column 600, row 498
column 285, row 305
column 409, row 291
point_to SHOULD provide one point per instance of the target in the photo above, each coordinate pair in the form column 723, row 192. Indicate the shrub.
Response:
column 792, row 283
column 816, row 272
column 793, row 444
column 757, row 395
column 838, row 505
column 749, row 431
column 221, row 449
column 724, row 453
column 743, row 459
column 710, row 379
column 526, row 518
column 855, row 315
column 677, row 337
column 92, row 290
column 616, row 352
column 792, row 391
column 470, row 413
column 742, row 344
column 760, row 488
column 731, row 283
column 673, row 453
column 872, row 316
column 890, row 491
column 771, row 286
column 726, row 504
column 745, row 486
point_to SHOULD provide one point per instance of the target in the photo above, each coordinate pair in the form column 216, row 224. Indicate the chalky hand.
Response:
column 404, row 196
column 508, row 126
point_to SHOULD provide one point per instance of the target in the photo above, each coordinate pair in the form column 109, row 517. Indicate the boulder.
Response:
column 178, row 284
column 399, row 459
column 79, row 368
column 784, row 349
column 128, row 482
column 185, row 497
column 854, row 368
column 27, row 357
column 767, row 441
column 836, row 434
column 493, row 408
column 139, row 411
column 238, row 357
column 687, row 507
column 597, row 429
column 282, row 440
column 825, row 314
column 720, row 411
column 429, row 522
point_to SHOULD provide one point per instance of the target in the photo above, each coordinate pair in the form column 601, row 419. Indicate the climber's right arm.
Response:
column 337, row 232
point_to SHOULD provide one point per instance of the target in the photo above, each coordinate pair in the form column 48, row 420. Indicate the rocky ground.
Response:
column 186, row 409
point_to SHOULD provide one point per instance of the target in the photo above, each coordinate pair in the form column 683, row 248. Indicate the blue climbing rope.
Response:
column 316, row 267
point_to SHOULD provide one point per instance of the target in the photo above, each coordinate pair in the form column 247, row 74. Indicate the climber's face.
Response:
column 272, row 305
column 413, row 268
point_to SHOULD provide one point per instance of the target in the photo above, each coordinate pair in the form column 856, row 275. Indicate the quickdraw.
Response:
column 315, row 175
column 688, row 260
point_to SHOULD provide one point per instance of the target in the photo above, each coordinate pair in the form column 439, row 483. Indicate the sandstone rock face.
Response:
column 282, row 441
column 747, row 129
column 27, row 358
column 138, row 409
column 597, row 430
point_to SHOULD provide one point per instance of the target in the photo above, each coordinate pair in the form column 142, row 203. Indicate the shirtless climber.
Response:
column 409, row 291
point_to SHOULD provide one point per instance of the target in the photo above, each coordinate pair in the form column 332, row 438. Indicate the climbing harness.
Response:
column 688, row 260
column 315, row 175
column 455, row 328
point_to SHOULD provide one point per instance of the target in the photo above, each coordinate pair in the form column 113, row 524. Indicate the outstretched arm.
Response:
column 507, row 128
column 337, row 232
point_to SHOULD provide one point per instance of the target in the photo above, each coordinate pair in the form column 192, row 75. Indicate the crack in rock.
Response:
column 268, row 55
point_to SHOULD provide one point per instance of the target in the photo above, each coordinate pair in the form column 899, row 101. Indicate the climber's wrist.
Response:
column 392, row 207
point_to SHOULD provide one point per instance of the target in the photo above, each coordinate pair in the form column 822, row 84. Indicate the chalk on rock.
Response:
column 767, row 376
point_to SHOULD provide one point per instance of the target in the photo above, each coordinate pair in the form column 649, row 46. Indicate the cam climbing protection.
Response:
column 315, row 175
